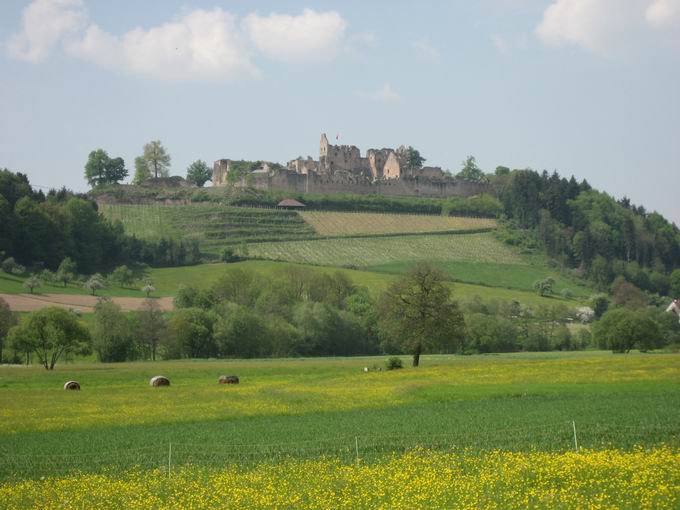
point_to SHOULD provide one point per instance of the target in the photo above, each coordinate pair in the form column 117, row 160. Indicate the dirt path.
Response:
column 85, row 304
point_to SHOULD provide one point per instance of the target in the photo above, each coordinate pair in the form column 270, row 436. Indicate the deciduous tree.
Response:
column 199, row 173
column 7, row 321
column 157, row 158
column 151, row 326
column 142, row 171
column 51, row 333
column 112, row 333
column 418, row 312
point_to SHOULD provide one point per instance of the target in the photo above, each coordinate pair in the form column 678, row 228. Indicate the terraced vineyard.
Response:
column 349, row 223
column 361, row 252
column 215, row 225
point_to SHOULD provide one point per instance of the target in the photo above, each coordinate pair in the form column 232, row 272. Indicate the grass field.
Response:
column 309, row 420
column 510, row 276
column 168, row 280
column 350, row 224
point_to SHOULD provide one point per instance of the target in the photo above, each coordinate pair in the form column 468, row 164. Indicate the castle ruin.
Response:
column 342, row 169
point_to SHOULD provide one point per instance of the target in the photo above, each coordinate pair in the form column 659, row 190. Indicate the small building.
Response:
column 290, row 203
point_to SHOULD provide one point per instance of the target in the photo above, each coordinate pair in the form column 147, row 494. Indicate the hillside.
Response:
column 373, row 242
column 168, row 281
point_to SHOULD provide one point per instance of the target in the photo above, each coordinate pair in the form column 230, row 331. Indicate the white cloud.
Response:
column 427, row 50
column 663, row 14
column 386, row 94
column 199, row 45
column 45, row 23
column 309, row 36
column 607, row 27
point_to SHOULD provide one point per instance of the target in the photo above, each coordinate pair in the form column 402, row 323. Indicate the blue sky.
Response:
column 584, row 87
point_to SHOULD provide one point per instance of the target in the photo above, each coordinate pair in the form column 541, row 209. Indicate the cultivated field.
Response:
column 381, row 250
column 214, row 225
column 81, row 303
column 350, row 224
column 480, row 431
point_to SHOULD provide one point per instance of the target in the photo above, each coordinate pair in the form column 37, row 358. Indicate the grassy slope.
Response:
column 472, row 258
column 507, row 401
column 510, row 276
column 168, row 280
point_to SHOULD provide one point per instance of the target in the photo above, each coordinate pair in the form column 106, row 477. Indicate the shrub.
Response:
column 228, row 256
column 394, row 363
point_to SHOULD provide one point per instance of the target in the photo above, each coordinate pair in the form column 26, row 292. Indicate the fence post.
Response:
column 169, row 459
column 356, row 447
column 573, row 424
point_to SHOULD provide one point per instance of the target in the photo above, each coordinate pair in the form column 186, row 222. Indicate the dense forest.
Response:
column 588, row 230
column 40, row 230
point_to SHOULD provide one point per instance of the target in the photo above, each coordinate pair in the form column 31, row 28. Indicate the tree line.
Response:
column 587, row 231
column 38, row 231
column 303, row 312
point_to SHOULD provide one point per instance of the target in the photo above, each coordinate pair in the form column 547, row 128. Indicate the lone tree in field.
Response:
column 32, row 282
column 148, row 289
column 157, row 158
column 123, row 275
column 66, row 271
column 7, row 320
column 199, row 173
column 417, row 312
column 50, row 333
column 545, row 286
column 95, row 283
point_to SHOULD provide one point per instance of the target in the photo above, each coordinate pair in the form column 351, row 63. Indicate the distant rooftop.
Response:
column 289, row 202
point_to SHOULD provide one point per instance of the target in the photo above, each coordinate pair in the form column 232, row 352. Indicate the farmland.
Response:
column 351, row 224
column 214, row 225
column 485, row 414
column 372, row 251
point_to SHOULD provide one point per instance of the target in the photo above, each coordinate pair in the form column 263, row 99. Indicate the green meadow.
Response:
column 324, row 406
column 168, row 280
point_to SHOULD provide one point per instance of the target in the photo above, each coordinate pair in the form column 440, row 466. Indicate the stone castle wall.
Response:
column 311, row 183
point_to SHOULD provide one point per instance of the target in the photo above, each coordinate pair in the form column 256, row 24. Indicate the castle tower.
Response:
column 323, row 149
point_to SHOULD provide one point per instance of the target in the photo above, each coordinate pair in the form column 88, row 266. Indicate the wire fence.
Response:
column 557, row 436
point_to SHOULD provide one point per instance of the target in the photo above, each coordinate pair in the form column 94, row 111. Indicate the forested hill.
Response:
column 600, row 237
column 581, row 230
column 41, row 230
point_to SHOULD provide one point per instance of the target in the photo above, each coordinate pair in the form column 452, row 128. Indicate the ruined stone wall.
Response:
column 376, row 161
column 392, row 168
column 312, row 183
column 433, row 172
column 220, row 171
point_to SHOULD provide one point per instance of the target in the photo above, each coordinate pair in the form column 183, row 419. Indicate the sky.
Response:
column 584, row 87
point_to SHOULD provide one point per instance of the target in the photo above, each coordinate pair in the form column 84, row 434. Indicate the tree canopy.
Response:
column 101, row 169
column 199, row 173
column 470, row 171
column 51, row 333
column 417, row 312
column 157, row 158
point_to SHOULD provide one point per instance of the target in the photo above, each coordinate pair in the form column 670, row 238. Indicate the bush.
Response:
column 228, row 256
column 394, row 363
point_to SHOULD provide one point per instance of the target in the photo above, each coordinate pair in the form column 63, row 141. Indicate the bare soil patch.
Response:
column 85, row 304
